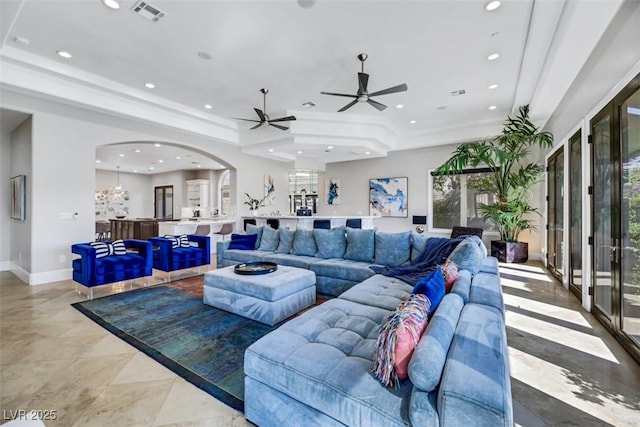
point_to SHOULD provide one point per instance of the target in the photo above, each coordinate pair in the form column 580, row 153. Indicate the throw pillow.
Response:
column 244, row 242
column 118, row 247
column 184, row 241
column 467, row 256
column 286, row 241
column 331, row 243
column 304, row 243
column 103, row 249
column 270, row 239
column 360, row 244
column 175, row 242
column 399, row 336
column 480, row 244
column 450, row 273
column 392, row 249
column 254, row 229
column 431, row 286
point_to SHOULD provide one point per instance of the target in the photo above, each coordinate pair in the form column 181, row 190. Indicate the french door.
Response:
column 575, row 214
column 615, row 136
column 555, row 213
column 163, row 202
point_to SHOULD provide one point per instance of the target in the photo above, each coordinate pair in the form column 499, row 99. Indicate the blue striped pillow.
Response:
column 184, row 241
column 118, row 248
column 175, row 242
column 103, row 249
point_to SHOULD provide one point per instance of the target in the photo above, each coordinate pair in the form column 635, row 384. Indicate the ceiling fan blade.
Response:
column 260, row 114
column 400, row 88
column 339, row 94
column 283, row 119
column 247, row 120
column 349, row 105
column 363, row 81
column 257, row 126
column 376, row 104
column 278, row 126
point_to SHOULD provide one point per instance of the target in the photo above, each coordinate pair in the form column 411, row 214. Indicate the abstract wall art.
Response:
column 269, row 190
column 388, row 197
column 18, row 196
column 332, row 191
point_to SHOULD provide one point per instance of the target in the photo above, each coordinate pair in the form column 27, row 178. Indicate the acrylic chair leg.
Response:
column 90, row 293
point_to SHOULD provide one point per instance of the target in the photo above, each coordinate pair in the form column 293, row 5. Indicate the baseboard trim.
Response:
column 5, row 265
column 50, row 276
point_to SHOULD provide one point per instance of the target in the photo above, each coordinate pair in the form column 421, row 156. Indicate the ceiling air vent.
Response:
column 458, row 92
column 144, row 9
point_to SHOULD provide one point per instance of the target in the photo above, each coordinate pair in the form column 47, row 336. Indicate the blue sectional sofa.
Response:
column 316, row 368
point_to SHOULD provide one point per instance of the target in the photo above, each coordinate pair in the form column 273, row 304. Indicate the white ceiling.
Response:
column 298, row 48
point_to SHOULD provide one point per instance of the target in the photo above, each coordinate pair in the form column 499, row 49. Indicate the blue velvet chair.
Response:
column 90, row 271
column 167, row 258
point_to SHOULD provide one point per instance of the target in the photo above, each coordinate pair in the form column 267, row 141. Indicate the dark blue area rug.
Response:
column 202, row 344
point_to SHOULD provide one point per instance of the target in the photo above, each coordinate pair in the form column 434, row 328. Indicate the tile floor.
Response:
column 565, row 369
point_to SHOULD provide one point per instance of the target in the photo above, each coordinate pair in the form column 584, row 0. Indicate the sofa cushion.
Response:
column 304, row 243
column 467, row 256
column 480, row 244
column 418, row 242
column 254, row 229
column 291, row 260
column 398, row 337
column 346, row 269
column 431, row 286
column 485, row 289
column 331, row 243
column 392, row 249
column 379, row 291
column 360, row 244
column 244, row 255
column 490, row 265
column 286, row 241
column 270, row 239
column 430, row 355
column 243, row 242
column 323, row 358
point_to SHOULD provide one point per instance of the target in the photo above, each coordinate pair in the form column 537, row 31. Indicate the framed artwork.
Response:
column 18, row 195
column 269, row 190
column 332, row 191
column 388, row 197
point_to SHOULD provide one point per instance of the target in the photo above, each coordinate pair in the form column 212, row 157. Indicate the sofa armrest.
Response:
column 163, row 254
column 144, row 249
column 204, row 243
column 87, row 262
column 220, row 248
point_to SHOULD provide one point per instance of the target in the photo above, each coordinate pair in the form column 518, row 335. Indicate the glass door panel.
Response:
column 630, row 227
column 603, row 250
column 555, row 213
column 575, row 214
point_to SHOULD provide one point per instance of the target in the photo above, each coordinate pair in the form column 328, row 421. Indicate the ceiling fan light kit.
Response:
column 363, row 95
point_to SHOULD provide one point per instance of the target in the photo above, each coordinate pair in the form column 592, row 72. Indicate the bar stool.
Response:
column 354, row 223
column 322, row 223
column 273, row 223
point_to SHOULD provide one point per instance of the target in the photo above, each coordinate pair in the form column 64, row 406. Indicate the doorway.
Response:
column 163, row 202
column 575, row 214
column 555, row 213
column 615, row 136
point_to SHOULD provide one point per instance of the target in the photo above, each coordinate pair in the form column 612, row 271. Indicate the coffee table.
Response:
column 267, row 298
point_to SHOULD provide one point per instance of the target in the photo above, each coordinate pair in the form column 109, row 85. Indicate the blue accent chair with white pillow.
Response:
column 168, row 257
column 95, row 267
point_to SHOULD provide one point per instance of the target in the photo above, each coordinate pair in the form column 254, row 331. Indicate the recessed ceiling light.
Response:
column 157, row 145
column 271, row 150
column 135, row 171
column 64, row 54
column 137, row 150
column 492, row 5
column 22, row 40
column 208, row 106
column 493, row 56
column 493, row 107
column 493, row 86
column 204, row 55
column 98, row 161
column 330, row 147
column 367, row 152
column 151, row 168
column 111, row 4
column 149, row 85
column 399, row 106
column 413, row 122
column 160, row 161
column 121, row 155
column 299, row 152
column 178, row 157
column 199, row 166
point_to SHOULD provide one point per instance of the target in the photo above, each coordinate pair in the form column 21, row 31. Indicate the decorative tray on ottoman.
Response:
column 253, row 268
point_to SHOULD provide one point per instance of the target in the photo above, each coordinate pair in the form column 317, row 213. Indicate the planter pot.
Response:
column 515, row 252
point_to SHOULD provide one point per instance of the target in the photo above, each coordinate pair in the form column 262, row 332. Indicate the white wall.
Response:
column 21, row 231
column 5, row 194
column 139, row 187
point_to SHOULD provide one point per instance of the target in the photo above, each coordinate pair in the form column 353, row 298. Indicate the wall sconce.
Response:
column 421, row 221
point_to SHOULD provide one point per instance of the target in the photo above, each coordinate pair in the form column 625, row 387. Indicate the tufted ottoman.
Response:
column 268, row 298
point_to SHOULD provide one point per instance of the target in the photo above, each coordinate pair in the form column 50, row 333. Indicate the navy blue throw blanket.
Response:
column 435, row 253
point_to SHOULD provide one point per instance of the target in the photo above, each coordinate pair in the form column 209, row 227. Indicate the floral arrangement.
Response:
column 254, row 204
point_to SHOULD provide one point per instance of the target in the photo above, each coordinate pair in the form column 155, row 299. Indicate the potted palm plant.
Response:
column 510, row 180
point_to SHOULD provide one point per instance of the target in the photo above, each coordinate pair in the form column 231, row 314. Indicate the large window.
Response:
column 455, row 200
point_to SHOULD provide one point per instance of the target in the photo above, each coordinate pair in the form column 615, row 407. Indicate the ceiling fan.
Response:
column 363, row 95
column 264, row 117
